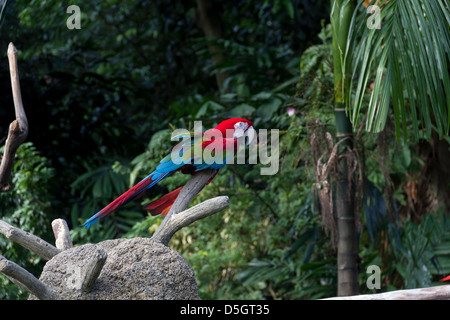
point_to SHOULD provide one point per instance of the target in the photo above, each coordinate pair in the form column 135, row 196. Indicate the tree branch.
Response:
column 18, row 129
column 25, row 280
column 191, row 189
column 185, row 218
column 62, row 235
column 170, row 224
column 431, row 293
column 29, row 241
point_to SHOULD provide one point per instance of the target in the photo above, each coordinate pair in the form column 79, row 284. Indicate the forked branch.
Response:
column 25, row 279
column 27, row 240
column 18, row 129
column 185, row 218
column 178, row 217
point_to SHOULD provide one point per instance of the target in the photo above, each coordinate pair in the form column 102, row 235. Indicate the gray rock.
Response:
column 138, row 268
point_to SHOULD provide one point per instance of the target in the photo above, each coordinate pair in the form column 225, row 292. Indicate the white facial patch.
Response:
column 239, row 129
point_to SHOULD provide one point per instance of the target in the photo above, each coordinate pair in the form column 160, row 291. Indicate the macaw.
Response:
column 445, row 279
column 187, row 163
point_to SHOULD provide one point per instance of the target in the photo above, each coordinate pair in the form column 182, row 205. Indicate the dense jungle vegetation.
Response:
column 102, row 102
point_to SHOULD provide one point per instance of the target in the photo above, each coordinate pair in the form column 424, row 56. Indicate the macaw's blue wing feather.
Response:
column 129, row 195
column 166, row 167
column 182, row 157
column 162, row 205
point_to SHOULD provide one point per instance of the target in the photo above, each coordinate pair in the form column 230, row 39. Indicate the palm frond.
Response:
column 406, row 62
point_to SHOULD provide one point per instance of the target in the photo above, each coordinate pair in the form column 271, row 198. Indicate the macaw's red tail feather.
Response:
column 127, row 196
column 446, row 279
column 163, row 204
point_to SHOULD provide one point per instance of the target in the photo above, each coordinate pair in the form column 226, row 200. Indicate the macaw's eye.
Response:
column 239, row 129
column 241, row 125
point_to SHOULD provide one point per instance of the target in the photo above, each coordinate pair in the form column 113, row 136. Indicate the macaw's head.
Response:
column 239, row 127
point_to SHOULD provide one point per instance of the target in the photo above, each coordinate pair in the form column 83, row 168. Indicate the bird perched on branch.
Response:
column 198, row 151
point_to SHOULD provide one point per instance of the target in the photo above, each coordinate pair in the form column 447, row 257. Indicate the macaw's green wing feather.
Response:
column 186, row 135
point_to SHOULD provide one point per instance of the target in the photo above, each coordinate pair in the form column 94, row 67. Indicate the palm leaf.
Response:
column 407, row 60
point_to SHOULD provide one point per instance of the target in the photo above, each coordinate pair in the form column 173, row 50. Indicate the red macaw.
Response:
column 445, row 279
column 186, row 162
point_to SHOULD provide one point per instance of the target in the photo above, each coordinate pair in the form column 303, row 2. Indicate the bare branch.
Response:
column 62, row 235
column 15, row 84
column 18, row 129
column 189, row 191
column 185, row 218
column 25, row 280
column 431, row 293
column 29, row 241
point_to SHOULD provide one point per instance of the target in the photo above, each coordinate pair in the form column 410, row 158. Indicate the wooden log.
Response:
column 185, row 218
column 189, row 191
column 27, row 240
column 431, row 293
column 62, row 234
column 25, row 279
column 18, row 129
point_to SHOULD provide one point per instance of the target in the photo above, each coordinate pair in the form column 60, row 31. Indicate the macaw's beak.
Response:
column 248, row 134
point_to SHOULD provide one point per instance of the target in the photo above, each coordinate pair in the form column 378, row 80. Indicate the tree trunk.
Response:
column 347, row 247
column 209, row 22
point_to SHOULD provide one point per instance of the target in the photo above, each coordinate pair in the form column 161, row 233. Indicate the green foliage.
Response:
column 102, row 103
column 385, row 57
column 423, row 251
column 97, row 187
column 316, row 77
column 26, row 206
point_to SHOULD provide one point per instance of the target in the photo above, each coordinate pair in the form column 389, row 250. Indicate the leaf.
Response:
column 266, row 110
column 289, row 8
column 262, row 96
column 242, row 110
column 308, row 235
column 285, row 84
column 407, row 60
column 119, row 182
column 401, row 160
column 74, row 214
column 157, row 139
column 242, row 90
column 97, row 188
column 209, row 105
column 106, row 187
